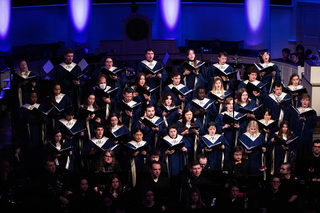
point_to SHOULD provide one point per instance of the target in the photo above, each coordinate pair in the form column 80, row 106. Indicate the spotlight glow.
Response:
column 5, row 15
column 170, row 10
column 255, row 12
column 79, row 12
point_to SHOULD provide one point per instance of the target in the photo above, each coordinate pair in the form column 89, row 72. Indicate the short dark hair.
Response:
column 287, row 50
column 155, row 152
column 316, row 141
column 252, row 69
column 154, row 162
column 68, row 50
column 128, row 90
column 148, row 50
column 202, row 155
column 223, row 53
column 277, row 84
column 175, row 73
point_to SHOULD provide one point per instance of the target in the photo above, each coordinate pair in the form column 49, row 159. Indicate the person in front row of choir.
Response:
column 191, row 76
column 216, row 148
column 175, row 149
column 279, row 151
column 254, row 146
column 303, row 125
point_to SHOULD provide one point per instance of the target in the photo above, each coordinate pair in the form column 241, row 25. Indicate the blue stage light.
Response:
column 170, row 10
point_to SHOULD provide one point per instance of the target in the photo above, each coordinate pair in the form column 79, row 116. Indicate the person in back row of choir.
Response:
column 140, row 117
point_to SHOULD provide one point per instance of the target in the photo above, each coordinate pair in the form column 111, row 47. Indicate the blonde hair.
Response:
column 255, row 124
column 213, row 85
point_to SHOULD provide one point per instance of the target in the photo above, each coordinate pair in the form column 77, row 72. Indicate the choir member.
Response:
column 70, row 77
column 192, row 71
column 176, row 151
column 223, row 70
column 268, row 78
column 218, row 94
column 168, row 110
column 216, row 148
column 254, row 144
column 203, row 108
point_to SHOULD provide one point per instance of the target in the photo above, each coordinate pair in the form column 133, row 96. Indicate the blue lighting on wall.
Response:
column 79, row 13
column 170, row 10
column 255, row 13
column 5, row 15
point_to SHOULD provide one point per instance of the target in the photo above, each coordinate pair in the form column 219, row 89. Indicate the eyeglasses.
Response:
column 275, row 181
column 108, row 156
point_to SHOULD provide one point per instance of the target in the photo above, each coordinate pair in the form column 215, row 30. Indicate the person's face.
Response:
column 284, row 169
column 107, row 202
column 33, row 98
column 252, row 130
column 222, row 60
column 56, row 90
column 142, row 80
column 252, row 76
column 115, row 183
column 275, row 183
column 102, row 82
column 194, row 197
column 285, row 128
column 84, row 185
column 285, row 54
column 51, row 167
column 188, row 116
column 68, row 58
column 191, row 56
column 295, row 81
column 23, row 66
column 294, row 59
column 234, row 191
column 212, row 130
column 237, row 156
column 138, row 136
column 57, row 137
column 108, row 63
column 277, row 90
column 114, row 121
column 176, row 80
column 154, row 158
column 244, row 97
column 150, row 112
column 203, row 162
column 69, row 117
column 230, row 106
column 155, row 170
column 149, row 196
column 265, row 57
column 316, row 148
column 168, row 101
column 201, row 94
column 99, row 132
column 149, row 55
column 305, row 102
column 267, row 116
column 108, row 157
column 127, row 97
column 196, row 170
column 91, row 100
column 173, row 133
column 218, row 85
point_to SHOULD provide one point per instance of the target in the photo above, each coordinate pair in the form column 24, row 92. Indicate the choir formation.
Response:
column 194, row 139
